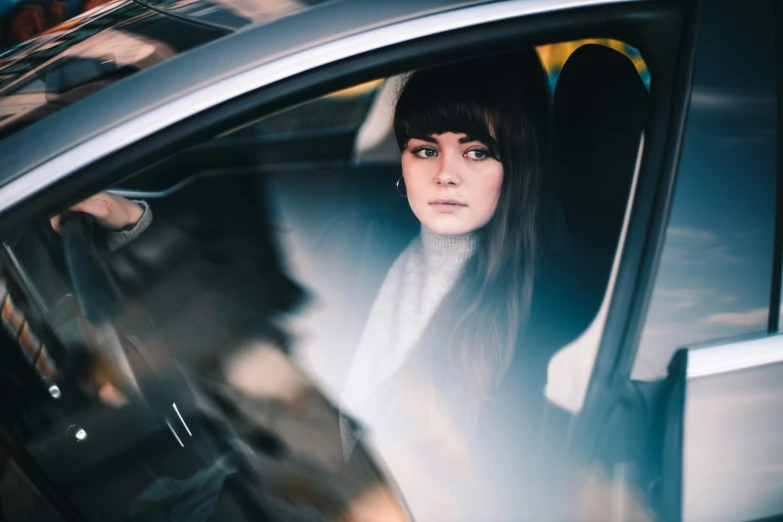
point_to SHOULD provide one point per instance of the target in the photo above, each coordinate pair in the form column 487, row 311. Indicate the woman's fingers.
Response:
column 100, row 206
column 113, row 212
column 55, row 221
column 82, row 206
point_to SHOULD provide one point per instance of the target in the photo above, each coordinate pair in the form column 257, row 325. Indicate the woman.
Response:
column 443, row 330
column 444, row 327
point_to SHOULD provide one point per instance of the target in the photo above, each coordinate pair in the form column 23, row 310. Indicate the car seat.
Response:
column 598, row 118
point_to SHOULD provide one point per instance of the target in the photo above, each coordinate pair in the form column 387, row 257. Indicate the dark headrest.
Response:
column 598, row 117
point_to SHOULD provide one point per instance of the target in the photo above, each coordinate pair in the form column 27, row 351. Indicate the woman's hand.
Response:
column 111, row 211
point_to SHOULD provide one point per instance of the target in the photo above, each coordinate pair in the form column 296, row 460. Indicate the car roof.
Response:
column 233, row 14
column 223, row 58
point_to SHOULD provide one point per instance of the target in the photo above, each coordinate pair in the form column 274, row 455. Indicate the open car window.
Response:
column 201, row 367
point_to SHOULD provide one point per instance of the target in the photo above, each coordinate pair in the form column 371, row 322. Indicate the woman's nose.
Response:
column 448, row 173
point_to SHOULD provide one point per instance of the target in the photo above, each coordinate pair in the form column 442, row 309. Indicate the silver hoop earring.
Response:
column 398, row 188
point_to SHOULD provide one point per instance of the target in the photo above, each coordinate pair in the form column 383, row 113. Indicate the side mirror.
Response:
column 723, row 432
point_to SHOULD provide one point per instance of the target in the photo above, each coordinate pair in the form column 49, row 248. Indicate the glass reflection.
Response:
column 212, row 363
column 57, row 69
column 715, row 271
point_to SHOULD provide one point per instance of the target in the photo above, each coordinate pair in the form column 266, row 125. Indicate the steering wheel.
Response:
column 97, row 294
column 99, row 298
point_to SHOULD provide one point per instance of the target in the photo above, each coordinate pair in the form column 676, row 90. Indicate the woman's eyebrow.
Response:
column 468, row 139
column 429, row 138
column 425, row 137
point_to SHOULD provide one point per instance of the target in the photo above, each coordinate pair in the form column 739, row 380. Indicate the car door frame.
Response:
column 745, row 358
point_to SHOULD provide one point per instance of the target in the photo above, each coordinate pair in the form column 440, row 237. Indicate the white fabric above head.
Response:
column 375, row 139
column 570, row 368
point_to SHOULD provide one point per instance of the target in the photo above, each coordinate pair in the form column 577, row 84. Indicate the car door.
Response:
column 118, row 143
column 704, row 418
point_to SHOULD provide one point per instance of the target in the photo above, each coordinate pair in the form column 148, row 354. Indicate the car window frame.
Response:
column 776, row 293
column 650, row 202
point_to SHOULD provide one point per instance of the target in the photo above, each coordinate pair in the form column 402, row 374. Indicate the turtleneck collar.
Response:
column 447, row 253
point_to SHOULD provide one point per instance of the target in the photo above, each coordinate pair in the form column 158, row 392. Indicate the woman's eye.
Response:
column 425, row 152
column 478, row 154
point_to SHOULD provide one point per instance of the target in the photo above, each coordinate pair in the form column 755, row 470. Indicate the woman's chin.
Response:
column 444, row 227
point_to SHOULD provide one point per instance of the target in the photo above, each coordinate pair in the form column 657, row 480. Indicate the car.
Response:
column 196, row 373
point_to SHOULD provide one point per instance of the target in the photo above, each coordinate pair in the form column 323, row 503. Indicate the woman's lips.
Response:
column 447, row 205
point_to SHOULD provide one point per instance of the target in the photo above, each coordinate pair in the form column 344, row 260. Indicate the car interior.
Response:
column 271, row 238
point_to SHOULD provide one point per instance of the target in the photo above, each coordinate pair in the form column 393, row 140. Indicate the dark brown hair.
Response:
column 503, row 101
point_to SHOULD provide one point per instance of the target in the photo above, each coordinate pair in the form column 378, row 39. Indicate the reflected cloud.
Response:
column 754, row 317
column 734, row 100
column 749, row 136
column 682, row 298
column 690, row 233
column 691, row 246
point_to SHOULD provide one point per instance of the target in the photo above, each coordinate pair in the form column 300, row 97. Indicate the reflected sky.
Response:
column 716, row 268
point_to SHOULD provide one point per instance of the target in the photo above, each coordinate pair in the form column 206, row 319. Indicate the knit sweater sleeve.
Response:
column 118, row 238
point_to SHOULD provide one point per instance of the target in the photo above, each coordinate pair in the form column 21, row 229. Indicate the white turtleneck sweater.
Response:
column 413, row 288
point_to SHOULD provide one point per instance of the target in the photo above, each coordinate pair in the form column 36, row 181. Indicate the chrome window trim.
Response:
column 735, row 355
column 139, row 127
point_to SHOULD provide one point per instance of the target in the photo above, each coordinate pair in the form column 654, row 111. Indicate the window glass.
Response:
column 306, row 322
column 714, row 277
column 85, row 55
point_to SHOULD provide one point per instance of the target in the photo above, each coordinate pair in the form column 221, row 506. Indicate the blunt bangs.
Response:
column 435, row 101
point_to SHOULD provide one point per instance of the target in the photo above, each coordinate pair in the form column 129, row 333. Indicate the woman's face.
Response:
column 453, row 182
